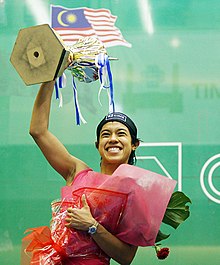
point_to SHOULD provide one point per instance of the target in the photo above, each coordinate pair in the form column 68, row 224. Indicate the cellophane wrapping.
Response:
column 130, row 204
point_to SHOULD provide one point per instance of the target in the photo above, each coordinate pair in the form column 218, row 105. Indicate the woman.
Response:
column 116, row 143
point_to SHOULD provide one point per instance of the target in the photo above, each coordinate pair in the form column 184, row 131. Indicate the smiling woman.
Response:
column 116, row 141
column 124, row 128
column 168, row 83
column 91, row 223
column 114, row 146
column 75, row 220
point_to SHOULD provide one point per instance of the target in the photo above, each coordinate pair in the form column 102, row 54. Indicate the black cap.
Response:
column 122, row 118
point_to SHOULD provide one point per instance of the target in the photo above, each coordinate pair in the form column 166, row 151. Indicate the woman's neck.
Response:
column 108, row 169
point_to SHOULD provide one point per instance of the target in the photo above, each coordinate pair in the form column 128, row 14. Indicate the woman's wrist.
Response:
column 93, row 228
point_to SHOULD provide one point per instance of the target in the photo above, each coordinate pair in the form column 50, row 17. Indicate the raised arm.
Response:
column 54, row 151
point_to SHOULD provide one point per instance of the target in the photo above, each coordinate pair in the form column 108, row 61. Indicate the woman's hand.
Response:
column 70, row 59
column 80, row 219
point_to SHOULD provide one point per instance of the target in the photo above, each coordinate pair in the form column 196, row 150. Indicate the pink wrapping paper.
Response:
column 148, row 198
column 145, row 193
column 130, row 204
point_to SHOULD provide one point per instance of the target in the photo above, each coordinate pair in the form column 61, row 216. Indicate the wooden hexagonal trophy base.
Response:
column 39, row 54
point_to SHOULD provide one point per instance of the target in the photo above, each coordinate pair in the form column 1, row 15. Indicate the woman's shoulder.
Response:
column 79, row 167
column 83, row 172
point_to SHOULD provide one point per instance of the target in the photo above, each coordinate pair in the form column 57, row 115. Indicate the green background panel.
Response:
column 168, row 82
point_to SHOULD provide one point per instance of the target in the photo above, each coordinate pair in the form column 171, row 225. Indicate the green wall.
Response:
column 168, row 82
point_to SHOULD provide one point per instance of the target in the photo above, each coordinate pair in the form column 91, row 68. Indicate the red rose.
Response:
column 162, row 253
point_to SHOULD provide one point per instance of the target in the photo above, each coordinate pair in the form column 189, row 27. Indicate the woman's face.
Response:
column 115, row 144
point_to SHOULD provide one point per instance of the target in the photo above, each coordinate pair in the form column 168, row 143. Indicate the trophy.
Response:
column 39, row 55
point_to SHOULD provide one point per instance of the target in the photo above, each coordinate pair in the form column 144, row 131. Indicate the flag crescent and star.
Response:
column 70, row 18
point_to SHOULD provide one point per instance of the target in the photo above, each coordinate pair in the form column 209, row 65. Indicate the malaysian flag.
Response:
column 73, row 24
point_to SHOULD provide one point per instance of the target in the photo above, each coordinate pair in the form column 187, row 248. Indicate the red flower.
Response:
column 162, row 253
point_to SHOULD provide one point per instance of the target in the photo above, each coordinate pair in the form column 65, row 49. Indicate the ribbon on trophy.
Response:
column 90, row 63
column 58, row 86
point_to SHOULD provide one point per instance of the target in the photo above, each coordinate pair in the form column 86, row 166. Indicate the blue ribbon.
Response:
column 110, row 84
column 76, row 102
column 61, row 81
column 106, row 83
column 104, row 62
column 58, row 85
column 56, row 90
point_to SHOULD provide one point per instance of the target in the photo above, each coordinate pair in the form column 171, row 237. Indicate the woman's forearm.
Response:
column 41, row 109
column 82, row 219
column 113, row 247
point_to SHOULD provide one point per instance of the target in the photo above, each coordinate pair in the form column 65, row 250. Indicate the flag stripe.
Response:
column 71, row 33
column 100, row 14
column 86, row 22
column 74, row 35
column 88, row 32
column 100, row 11
column 99, row 18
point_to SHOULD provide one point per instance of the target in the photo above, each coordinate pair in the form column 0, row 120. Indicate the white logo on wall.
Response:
column 207, row 181
column 174, row 149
